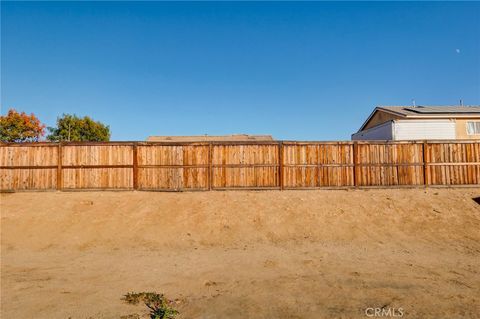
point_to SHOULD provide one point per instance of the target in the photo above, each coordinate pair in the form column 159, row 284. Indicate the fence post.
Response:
column 425, row 172
column 209, row 177
column 355, row 162
column 135, row 166
column 59, row 167
column 280, row 165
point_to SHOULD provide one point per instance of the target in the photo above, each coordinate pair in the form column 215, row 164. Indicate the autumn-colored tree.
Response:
column 20, row 127
column 80, row 129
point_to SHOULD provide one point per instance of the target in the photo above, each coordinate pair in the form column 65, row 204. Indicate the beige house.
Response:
column 421, row 123
column 210, row 138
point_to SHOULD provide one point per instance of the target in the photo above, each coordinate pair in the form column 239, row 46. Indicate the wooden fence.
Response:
column 237, row 165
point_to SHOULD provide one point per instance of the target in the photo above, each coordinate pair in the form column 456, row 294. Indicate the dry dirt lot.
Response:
column 239, row 254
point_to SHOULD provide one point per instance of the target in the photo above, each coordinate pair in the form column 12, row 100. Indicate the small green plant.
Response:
column 160, row 307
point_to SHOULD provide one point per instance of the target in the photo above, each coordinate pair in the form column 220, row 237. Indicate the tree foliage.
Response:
column 20, row 127
column 79, row 129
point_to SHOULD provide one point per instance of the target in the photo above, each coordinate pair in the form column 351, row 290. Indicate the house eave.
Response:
column 378, row 108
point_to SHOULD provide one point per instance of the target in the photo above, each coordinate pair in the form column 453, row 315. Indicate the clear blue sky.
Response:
column 308, row 71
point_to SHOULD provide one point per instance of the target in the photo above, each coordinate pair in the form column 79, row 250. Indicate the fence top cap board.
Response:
column 211, row 138
column 249, row 142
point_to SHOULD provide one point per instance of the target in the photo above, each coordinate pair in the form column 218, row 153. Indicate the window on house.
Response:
column 473, row 128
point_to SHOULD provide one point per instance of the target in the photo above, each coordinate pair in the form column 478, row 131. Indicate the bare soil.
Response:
column 239, row 254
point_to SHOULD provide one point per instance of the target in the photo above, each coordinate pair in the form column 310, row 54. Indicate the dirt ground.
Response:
column 240, row 254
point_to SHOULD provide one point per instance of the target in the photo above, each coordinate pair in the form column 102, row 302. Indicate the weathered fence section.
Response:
column 28, row 167
column 455, row 163
column 237, row 165
column 381, row 164
column 96, row 166
column 173, row 167
column 312, row 165
column 245, row 166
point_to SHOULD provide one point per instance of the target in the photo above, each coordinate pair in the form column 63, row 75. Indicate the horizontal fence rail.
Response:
column 237, row 165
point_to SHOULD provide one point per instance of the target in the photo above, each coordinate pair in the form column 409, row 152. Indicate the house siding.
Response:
column 461, row 129
column 379, row 132
column 424, row 130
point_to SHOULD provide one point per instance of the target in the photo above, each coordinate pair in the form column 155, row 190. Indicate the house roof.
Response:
column 431, row 110
column 422, row 111
column 211, row 138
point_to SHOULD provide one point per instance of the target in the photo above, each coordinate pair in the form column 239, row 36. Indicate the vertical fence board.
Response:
column 135, row 166
column 59, row 167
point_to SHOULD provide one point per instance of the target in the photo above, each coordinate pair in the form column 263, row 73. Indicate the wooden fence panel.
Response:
column 312, row 165
column 453, row 163
column 172, row 167
column 28, row 179
column 245, row 166
column 97, row 166
column 28, row 167
column 388, row 164
column 97, row 178
column 97, row 155
column 37, row 156
column 203, row 166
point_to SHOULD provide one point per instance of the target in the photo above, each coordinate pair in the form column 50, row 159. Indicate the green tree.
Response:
column 20, row 127
column 79, row 129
